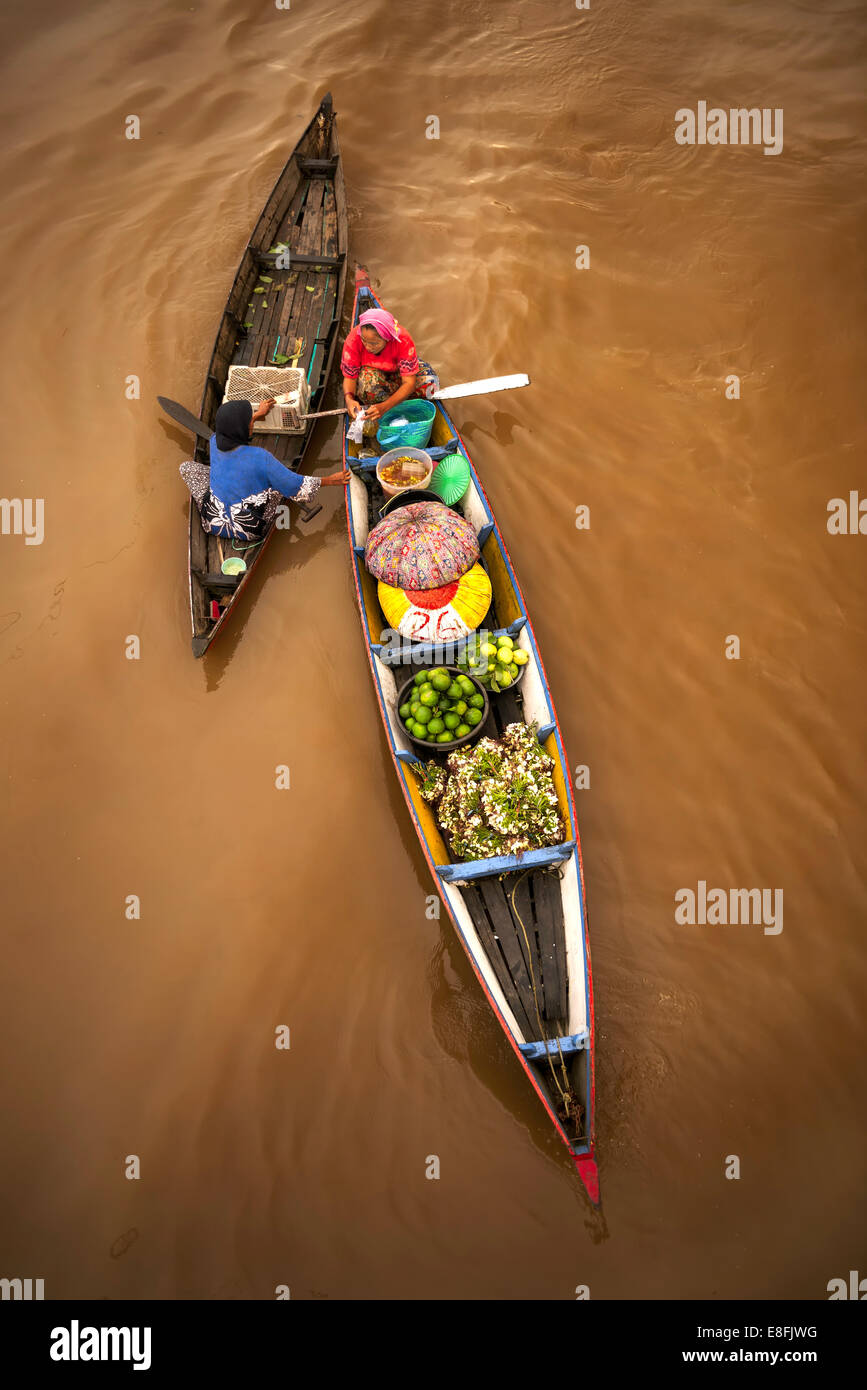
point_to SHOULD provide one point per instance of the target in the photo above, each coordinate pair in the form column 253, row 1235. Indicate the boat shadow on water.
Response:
column 287, row 551
column 466, row 1031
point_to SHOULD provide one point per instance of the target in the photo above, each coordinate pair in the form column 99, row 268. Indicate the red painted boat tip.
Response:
column 589, row 1174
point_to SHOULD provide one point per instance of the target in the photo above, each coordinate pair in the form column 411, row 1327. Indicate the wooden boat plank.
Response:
column 275, row 297
column 309, row 242
column 326, row 323
column 310, row 237
column 314, row 319
column 259, row 344
column 274, row 323
column 329, row 220
column 288, row 192
column 511, row 943
column 547, row 908
column 478, row 911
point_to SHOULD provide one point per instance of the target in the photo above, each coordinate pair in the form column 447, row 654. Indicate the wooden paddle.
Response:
column 448, row 393
column 182, row 416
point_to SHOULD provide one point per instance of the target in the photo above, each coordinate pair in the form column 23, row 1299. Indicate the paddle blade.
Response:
column 182, row 416
column 477, row 388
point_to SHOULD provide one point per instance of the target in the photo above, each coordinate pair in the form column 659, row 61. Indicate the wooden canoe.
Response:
column 522, row 922
column 307, row 212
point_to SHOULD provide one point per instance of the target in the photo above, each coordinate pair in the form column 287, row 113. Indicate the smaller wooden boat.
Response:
column 306, row 212
column 522, row 921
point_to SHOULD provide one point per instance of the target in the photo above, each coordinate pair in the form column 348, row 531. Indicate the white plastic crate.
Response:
column 288, row 386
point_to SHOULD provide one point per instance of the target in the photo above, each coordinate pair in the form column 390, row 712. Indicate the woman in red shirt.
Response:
column 381, row 367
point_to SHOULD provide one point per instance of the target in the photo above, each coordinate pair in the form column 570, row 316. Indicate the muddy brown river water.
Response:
column 737, row 766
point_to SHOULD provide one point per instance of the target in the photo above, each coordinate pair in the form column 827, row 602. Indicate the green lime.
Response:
column 451, row 721
column 427, row 696
column 519, row 655
column 505, row 640
column 414, row 707
column 417, row 730
column 473, row 717
column 462, row 730
column 461, row 706
column 454, row 691
column 445, row 737
column 488, row 649
column 503, row 677
column 424, row 715
column 504, row 656
column 435, row 726
column 440, row 680
column 420, row 678
column 477, row 701
column 404, row 711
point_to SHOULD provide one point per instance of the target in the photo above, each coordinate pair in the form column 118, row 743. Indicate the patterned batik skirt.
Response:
column 249, row 520
column 374, row 386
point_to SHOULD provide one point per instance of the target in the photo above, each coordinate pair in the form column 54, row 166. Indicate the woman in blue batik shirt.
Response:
column 238, row 499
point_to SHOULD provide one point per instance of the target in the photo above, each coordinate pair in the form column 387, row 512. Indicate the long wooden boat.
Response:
column 522, row 921
column 307, row 213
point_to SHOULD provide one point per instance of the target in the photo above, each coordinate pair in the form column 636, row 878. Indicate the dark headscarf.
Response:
column 232, row 424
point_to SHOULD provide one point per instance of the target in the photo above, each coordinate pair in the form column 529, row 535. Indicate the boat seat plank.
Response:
column 219, row 582
column 486, row 868
column 328, row 262
column 317, row 168
column 537, row 1051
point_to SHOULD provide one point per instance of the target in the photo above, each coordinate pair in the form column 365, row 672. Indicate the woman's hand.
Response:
column 374, row 412
column 353, row 405
column 263, row 409
column 336, row 479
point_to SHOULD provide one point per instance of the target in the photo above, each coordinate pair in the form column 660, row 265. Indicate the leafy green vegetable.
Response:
column 497, row 797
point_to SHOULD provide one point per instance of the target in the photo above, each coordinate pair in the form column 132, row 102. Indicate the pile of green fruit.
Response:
column 440, row 707
column 494, row 661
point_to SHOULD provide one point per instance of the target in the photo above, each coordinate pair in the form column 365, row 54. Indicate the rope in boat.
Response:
column 566, row 1095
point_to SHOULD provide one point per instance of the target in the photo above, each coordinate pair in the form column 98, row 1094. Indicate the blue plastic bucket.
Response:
column 416, row 433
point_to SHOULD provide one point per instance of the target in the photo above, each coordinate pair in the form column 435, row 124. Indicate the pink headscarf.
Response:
column 380, row 319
